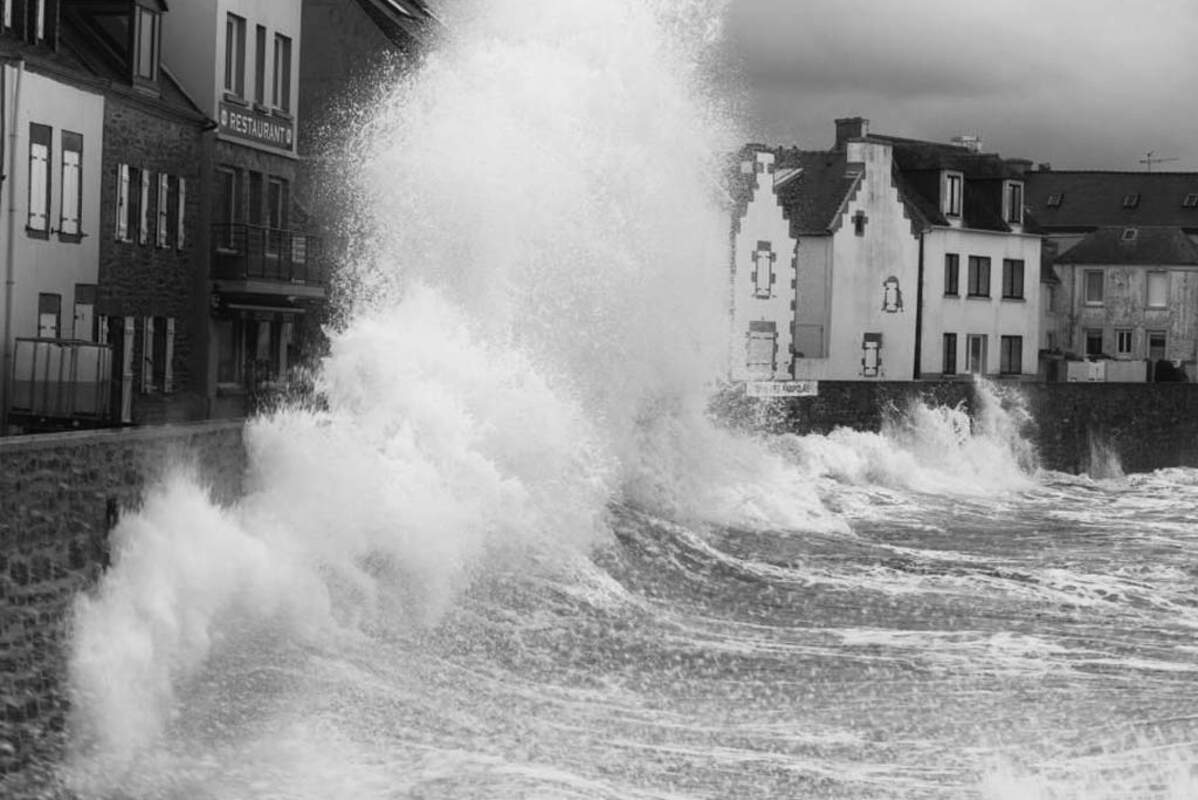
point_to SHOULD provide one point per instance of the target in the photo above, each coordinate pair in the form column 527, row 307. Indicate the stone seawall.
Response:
column 60, row 494
column 1146, row 425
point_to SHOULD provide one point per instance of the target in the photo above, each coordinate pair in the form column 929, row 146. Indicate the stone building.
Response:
column 898, row 259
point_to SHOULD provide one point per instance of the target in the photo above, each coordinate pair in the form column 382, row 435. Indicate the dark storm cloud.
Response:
column 1084, row 84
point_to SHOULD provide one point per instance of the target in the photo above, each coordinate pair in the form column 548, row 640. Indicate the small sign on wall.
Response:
column 782, row 388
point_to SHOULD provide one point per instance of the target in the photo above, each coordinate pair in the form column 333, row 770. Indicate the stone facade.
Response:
column 144, row 277
column 60, row 494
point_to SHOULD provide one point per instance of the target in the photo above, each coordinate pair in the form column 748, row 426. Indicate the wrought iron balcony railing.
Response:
column 241, row 252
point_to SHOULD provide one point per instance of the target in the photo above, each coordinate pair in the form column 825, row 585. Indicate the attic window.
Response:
column 1190, row 201
column 1054, row 200
column 1130, row 234
column 1131, row 200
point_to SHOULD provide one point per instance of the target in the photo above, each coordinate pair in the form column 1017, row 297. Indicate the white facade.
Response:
column 987, row 319
column 763, row 280
column 239, row 60
column 50, row 207
column 866, row 273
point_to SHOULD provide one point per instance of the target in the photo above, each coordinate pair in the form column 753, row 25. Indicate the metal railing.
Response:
column 61, row 379
column 241, row 251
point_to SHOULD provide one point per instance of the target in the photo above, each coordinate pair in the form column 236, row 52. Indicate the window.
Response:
column 235, row 55
column 71, row 206
column 148, row 361
column 1014, row 202
column 256, row 180
column 871, row 355
column 979, row 276
column 1130, row 234
column 85, row 312
column 1010, row 359
column 1190, row 201
column 952, row 273
column 763, row 273
column 1158, row 289
column 8, row 14
column 276, row 209
column 181, row 205
column 1094, row 287
column 1123, row 342
column 228, row 206
column 1131, row 200
column 39, row 180
column 1012, row 278
column 122, row 203
column 1156, row 345
column 1054, row 200
column 162, row 232
column 49, row 315
column 977, row 345
column 146, row 56
column 950, row 354
column 762, row 346
column 158, row 350
column 1093, row 341
column 143, row 208
column 952, row 194
column 282, row 75
column 260, row 66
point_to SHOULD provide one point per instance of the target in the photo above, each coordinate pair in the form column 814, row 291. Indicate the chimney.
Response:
column 969, row 142
column 1019, row 166
column 1044, row 167
column 850, row 128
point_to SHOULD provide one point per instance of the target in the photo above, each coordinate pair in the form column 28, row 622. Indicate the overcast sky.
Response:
column 1083, row 84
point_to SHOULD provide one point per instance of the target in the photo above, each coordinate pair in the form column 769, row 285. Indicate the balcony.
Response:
column 60, row 383
column 260, row 260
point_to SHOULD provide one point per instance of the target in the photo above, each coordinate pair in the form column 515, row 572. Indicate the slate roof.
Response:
column 1151, row 246
column 1089, row 200
column 404, row 22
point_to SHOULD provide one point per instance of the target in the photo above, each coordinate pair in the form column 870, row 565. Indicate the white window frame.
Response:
column 763, row 269
column 954, row 202
column 1086, row 296
column 1013, row 211
column 281, row 76
column 70, row 222
column 1163, row 298
column 40, row 180
column 1124, row 339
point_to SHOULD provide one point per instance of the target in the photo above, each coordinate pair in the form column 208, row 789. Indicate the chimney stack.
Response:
column 969, row 142
column 1019, row 166
column 850, row 128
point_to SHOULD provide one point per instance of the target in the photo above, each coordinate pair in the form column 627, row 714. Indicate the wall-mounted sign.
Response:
column 254, row 126
column 782, row 388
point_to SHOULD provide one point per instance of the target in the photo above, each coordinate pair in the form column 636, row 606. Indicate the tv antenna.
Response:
column 1149, row 159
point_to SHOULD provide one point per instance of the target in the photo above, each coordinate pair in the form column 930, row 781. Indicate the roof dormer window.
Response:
column 1130, row 234
column 953, row 188
column 1131, row 200
column 1013, row 202
column 1190, row 201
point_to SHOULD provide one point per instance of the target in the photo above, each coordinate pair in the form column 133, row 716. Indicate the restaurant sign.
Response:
column 246, row 123
column 782, row 388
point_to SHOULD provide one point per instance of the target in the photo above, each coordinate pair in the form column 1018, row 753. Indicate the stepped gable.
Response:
column 1149, row 246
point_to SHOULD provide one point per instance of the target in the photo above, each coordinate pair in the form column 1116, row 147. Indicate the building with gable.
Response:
column 1119, row 247
column 909, row 261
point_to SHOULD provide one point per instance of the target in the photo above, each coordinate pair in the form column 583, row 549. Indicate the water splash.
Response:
column 932, row 449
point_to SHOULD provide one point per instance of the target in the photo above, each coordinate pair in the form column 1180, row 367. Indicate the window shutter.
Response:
column 69, row 223
column 143, row 221
column 168, row 373
column 122, row 203
column 180, row 235
column 163, row 200
column 39, row 162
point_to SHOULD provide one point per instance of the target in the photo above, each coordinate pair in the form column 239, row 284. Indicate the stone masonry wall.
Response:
column 1146, row 425
column 60, row 494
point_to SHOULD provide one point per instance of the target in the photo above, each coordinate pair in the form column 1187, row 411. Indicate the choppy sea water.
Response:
column 509, row 556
